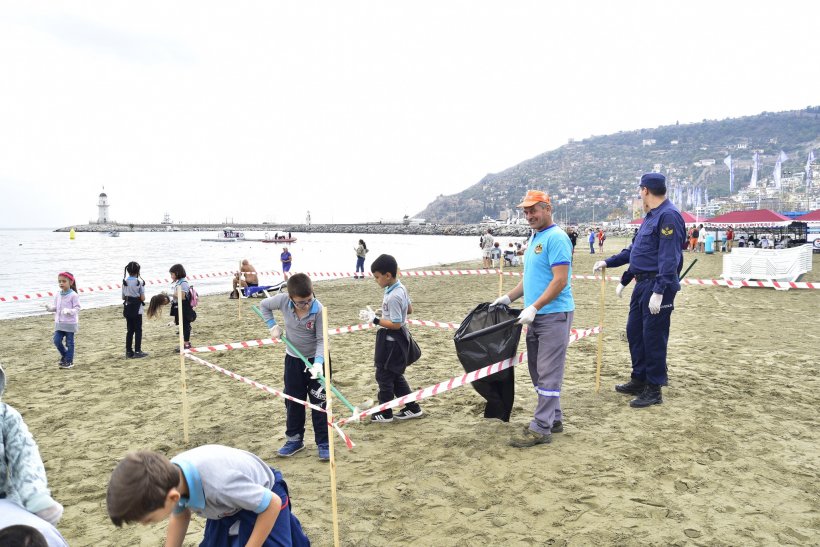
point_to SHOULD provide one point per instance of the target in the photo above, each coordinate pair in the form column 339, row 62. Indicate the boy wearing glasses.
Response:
column 302, row 315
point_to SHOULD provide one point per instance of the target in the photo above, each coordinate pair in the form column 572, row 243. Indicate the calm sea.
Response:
column 31, row 259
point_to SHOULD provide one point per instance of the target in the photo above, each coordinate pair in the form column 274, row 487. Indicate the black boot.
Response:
column 651, row 395
column 634, row 387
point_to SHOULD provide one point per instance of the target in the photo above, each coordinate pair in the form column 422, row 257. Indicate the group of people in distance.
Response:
column 246, row 502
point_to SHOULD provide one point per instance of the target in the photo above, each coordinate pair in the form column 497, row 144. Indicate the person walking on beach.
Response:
column 486, row 248
column 701, row 239
column 573, row 238
column 601, row 239
column 302, row 317
column 730, row 238
column 393, row 340
column 591, row 240
column 133, row 296
column 361, row 251
column 549, row 308
column 286, row 259
column 66, row 309
column 656, row 259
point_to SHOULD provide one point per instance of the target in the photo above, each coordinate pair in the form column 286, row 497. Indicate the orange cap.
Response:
column 533, row 197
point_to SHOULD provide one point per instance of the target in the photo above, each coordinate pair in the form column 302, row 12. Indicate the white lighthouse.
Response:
column 102, row 206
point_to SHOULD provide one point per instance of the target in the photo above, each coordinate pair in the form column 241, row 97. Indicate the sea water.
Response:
column 31, row 259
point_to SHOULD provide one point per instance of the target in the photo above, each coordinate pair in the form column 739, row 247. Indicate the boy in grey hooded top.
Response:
column 22, row 474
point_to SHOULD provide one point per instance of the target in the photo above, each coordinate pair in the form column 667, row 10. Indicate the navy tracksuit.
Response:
column 656, row 259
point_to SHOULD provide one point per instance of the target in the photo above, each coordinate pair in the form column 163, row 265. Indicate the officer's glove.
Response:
column 276, row 332
column 601, row 264
column 367, row 315
column 527, row 315
column 501, row 300
column 619, row 289
column 655, row 303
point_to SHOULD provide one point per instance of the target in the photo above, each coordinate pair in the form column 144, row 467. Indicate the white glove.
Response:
column 655, row 303
column 502, row 300
column 49, row 307
column 619, row 289
column 527, row 316
column 367, row 315
column 70, row 311
column 170, row 324
column 276, row 332
column 316, row 370
column 601, row 264
column 51, row 514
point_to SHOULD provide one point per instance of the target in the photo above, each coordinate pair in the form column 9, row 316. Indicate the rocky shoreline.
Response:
column 504, row 230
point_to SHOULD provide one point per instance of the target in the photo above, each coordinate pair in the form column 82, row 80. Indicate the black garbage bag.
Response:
column 486, row 336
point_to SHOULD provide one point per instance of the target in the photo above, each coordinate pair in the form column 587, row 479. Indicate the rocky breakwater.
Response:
column 512, row 230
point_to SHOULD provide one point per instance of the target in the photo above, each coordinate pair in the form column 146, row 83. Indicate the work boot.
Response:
column 634, row 387
column 651, row 395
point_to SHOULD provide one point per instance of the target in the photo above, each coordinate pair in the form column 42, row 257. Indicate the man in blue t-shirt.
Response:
column 547, row 293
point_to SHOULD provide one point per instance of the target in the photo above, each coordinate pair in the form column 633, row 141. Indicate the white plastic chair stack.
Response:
column 783, row 265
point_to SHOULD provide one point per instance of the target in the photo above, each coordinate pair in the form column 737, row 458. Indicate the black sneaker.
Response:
column 129, row 354
column 557, row 427
column 66, row 365
column 139, row 355
column 408, row 414
column 633, row 387
column 383, row 417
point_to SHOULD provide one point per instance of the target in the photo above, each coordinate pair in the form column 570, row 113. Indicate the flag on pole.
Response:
column 808, row 169
column 728, row 161
column 777, row 168
column 753, row 181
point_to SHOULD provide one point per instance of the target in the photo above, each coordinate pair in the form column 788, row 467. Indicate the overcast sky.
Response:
column 356, row 111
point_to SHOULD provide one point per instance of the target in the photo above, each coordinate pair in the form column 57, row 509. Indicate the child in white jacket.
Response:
column 22, row 474
column 66, row 308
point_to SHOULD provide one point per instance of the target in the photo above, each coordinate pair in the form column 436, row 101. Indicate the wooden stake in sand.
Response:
column 182, row 367
column 501, row 276
column 329, row 408
column 601, row 334
column 239, row 292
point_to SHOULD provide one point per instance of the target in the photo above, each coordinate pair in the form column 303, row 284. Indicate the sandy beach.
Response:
column 730, row 458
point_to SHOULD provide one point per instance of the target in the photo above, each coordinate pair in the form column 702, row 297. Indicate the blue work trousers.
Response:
column 547, row 341
column 648, row 334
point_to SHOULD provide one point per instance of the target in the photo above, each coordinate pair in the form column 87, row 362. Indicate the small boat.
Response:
column 280, row 240
column 228, row 235
column 113, row 233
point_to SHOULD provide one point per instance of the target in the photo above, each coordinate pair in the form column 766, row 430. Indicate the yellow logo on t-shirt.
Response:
column 538, row 249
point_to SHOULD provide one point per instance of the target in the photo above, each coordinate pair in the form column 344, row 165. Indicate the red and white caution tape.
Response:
column 458, row 381
column 348, row 442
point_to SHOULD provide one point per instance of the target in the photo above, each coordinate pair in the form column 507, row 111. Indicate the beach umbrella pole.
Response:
column 183, row 383
column 329, row 408
column 601, row 334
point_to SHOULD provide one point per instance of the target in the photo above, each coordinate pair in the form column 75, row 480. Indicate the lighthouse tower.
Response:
column 102, row 206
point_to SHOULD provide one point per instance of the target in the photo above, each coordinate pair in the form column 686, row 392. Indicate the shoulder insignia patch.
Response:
column 538, row 249
column 667, row 231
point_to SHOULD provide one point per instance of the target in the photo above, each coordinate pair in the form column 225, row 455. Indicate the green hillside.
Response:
column 604, row 171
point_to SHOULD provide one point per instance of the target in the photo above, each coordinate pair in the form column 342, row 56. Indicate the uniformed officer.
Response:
column 656, row 259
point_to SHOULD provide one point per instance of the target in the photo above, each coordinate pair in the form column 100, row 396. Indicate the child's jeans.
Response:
column 67, row 351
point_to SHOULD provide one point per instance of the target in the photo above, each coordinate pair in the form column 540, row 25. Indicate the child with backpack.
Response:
column 133, row 296
column 190, row 299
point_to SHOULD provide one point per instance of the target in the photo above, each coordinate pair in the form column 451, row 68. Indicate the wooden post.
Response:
column 501, row 275
column 600, row 334
column 239, row 292
column 330, row 432
column 182, row 366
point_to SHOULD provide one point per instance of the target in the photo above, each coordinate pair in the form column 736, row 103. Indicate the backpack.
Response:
column 193, row 297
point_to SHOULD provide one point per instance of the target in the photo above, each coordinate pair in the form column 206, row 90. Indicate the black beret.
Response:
column 653, row 181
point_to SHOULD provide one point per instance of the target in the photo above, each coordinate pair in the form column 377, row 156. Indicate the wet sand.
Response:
column 730, row 458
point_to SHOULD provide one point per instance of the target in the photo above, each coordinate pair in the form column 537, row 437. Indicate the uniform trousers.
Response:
column 648, row 334
column 547, row 341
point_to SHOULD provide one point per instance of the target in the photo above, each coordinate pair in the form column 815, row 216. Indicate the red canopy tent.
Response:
column 811, row 218
column 758, row 218
column 688, row 219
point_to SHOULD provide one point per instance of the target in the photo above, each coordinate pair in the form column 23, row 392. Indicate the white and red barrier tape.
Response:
column 431, row 273
column 458, row 381
column 347, row 440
